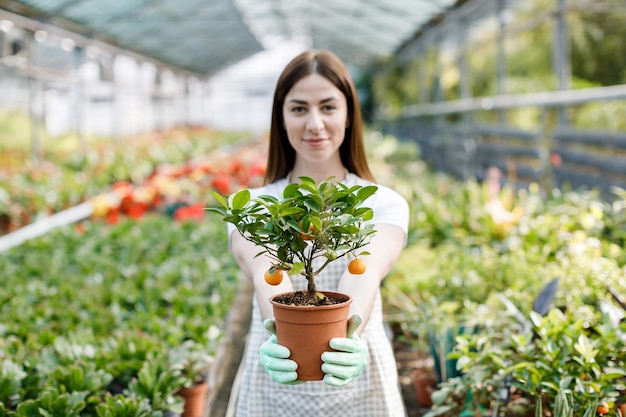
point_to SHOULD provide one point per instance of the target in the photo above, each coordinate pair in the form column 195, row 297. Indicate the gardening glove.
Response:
column 342, row 367
column 275, row 358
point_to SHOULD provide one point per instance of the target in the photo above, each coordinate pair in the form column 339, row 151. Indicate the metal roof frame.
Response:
column 205, row 36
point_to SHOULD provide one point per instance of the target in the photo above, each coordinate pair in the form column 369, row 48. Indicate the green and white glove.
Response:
column 275, row 360
column 344, row 366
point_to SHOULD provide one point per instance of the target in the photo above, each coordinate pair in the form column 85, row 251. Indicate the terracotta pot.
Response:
column 425, row 383
column 306, row 331
column 194, row 398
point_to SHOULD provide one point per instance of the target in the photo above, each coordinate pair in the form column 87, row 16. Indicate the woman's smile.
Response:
column 315, row 142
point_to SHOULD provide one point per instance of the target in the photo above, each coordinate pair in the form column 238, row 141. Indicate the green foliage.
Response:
column 52, row 403
column 598, row 58
column 84, row 313
column 80, row 377
column 598, row 50
column 120, row 406
column 310, row 221
column 11, row 376
column 158, row 382
column 461, row 263
column 571, row 353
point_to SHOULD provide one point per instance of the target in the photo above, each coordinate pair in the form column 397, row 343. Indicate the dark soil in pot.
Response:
column 302, row 298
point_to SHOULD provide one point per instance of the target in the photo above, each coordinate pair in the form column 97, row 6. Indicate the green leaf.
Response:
column 368, row 215
column 312, row 189
column 294, row 225
column 291, row 190
column 590, row 411
column 288, row 211
column 585, row 347
column 313, row 204
column 269, row 199
column 316, row 222
column 234, row 219
column 308, row 180
column 367, row 191
column 297, row 268
column 217, row 210
column 220, row 199
column 614, row 373
column 297, row 245
column 241, row 199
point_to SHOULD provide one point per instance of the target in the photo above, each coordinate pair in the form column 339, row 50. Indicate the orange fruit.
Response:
column 622, row 409
column 603, row 408
column 356, row 266
column 309, row 234
column 273, row 276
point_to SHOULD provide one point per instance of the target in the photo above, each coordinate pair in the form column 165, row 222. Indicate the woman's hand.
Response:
column 344, row 366
column 275, row 360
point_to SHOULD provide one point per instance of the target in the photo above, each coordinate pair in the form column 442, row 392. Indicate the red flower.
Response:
column 257, row 169
column 136, row 211
column 126, row 204
column 112, row 217
column 235, row 165
column 191, row 212
column 221, row 183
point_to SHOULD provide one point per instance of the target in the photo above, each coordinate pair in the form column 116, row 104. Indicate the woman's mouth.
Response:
column 315, row 141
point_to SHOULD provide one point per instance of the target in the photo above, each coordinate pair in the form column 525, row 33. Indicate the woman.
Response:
column 317, row 131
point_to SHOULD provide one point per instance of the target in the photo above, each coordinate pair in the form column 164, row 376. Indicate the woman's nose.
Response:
column 314, row 122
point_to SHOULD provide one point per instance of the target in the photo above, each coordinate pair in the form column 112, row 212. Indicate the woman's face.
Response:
column 315, row 113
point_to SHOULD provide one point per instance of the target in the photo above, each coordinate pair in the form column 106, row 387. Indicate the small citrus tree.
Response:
column 311, row 221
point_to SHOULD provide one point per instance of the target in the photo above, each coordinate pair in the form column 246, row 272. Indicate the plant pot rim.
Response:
column 331, row 294
column 423, row 373
column 424, row 370
column 196, row 386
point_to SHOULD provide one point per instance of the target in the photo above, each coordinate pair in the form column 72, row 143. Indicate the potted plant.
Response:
column 192, row 358
column 158, row 380
column 311, row 226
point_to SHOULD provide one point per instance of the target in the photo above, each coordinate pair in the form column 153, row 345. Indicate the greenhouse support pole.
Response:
column 501, row 56
column 421, row 74
column 562, row 63
column 77, row 94
column 461, row 33
column 36, row 104
column 188, row 99
column 438, row 97
column 437, row 93
column 157, row 101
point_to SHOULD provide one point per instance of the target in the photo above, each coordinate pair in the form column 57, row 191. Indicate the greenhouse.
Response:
column 176, row 177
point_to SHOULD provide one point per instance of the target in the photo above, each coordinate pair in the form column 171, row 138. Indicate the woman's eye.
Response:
column 328, row 108
column 298, row 109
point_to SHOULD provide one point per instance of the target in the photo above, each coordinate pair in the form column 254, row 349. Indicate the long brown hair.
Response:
column 282, row 156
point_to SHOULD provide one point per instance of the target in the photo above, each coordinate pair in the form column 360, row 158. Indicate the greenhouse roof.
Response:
column 204, row 36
